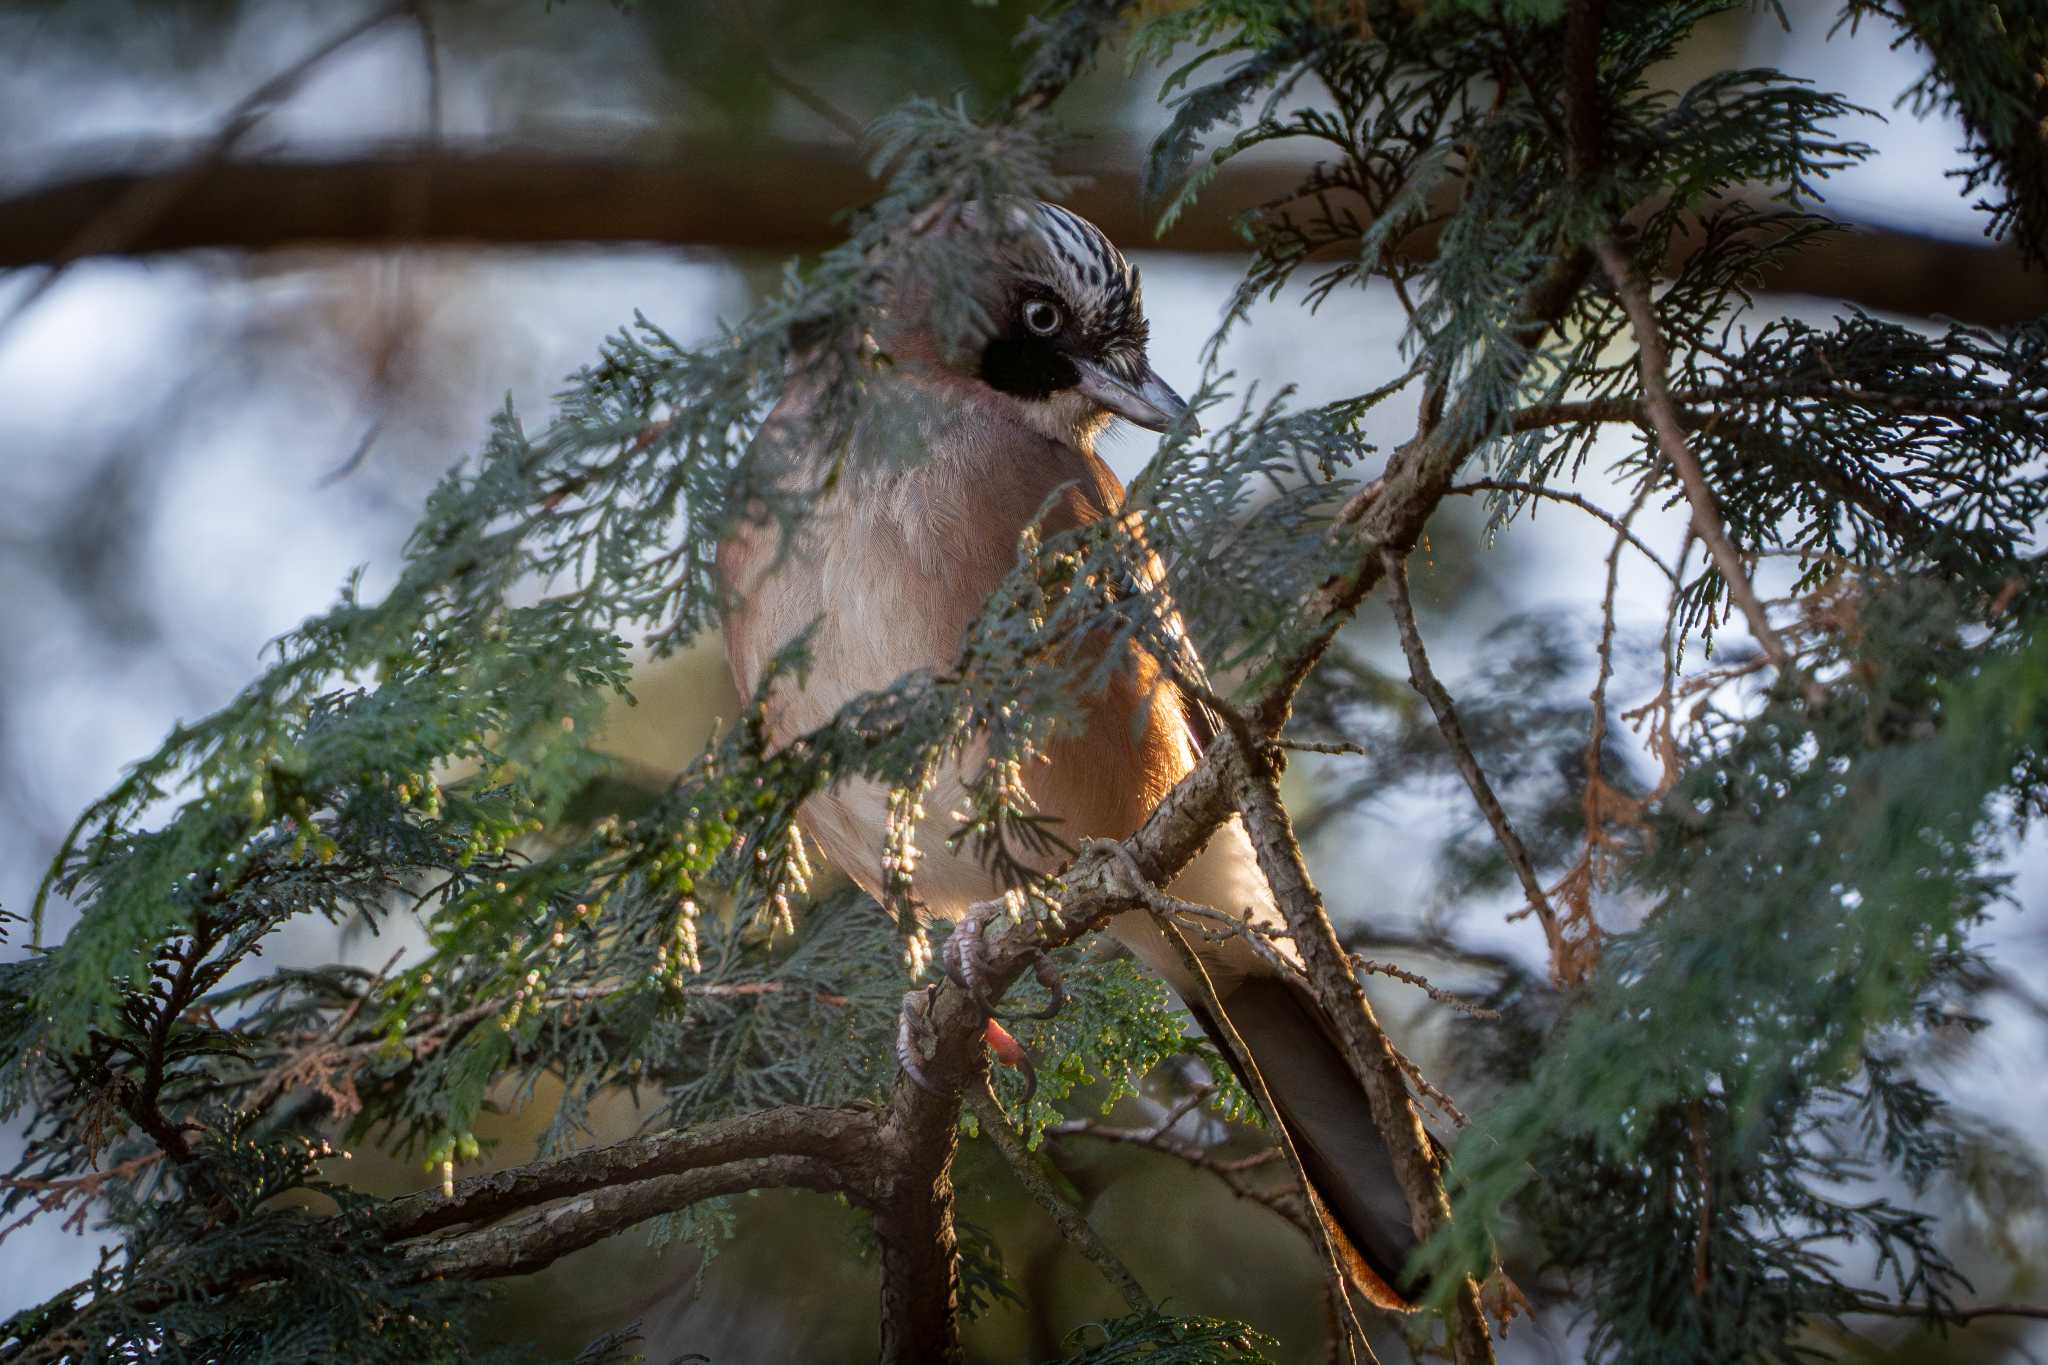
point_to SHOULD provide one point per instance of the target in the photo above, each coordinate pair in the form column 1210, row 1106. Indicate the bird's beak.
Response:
column 1149, row 402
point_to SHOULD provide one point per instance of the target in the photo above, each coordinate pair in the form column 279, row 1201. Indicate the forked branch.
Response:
column 1653, row 363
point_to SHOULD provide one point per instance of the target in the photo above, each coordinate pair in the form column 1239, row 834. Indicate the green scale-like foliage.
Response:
column 1155, row 1339
column 1700, row 1107
column 328, row 1288
column 1990, row 67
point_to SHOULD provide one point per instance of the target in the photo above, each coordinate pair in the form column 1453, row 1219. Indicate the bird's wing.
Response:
column 1142, row 576
column 1355, row 1189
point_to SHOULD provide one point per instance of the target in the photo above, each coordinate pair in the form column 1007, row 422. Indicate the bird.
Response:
column 913, row 513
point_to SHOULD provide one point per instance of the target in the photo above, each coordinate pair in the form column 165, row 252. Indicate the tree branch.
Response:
column 913, row 1212
column 1585, row 121
column 913, row 1199
column 1426, row 986
column 905, row 1150
column 124, row 220
column 1652, row 363
column 1417, row 478
column 1591, row 509
column 1231, row 1171
column 777, row 198
column 1071, row 1222
column 840, row 1140
column 1370, row 1053
column 896, row 1162
column 537, row 1237
column 1754, row 392
column 1387, row 517
column 742, row 18
column 1882, row 1309
column 525, row 1218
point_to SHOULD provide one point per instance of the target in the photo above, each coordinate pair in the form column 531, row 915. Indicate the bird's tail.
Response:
column 1355, row 1190
column 1324, row 1111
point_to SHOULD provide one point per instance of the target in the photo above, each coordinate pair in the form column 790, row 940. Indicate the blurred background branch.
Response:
column 784, row 197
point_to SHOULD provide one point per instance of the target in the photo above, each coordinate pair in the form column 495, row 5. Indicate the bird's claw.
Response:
column 1056, row 989
column 966, row 967
column 962, row 956
column 915, row 1004
column 1001, row 1042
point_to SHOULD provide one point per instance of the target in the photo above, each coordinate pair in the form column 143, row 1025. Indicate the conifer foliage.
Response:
column 1683, row 1109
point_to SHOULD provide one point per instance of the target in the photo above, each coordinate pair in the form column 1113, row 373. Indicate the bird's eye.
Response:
column 1042, row 317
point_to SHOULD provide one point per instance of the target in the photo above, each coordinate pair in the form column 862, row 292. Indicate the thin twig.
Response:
column 1321, row 746
column 1544, row 491
column 1538, row 91
column 360, row 453
column 741, row 14
column 1233, row 1172
column 1181, row 1108
column 1652, row 363
column 1664, row 705
column 1880, row 1308
column 1432, row 944
column 1570, row 966
column 51, row 1195
column 1425, row 682
column 1430, row 1089
column 1597, row 738
column 315, row 1061
column 1692, row 404
column 1423, row 984
column 1577, row 412
column 1392, row 512
column 1072, row 1223
column 1216, row 926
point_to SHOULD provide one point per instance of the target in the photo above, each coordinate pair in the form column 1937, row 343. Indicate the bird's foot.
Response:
column 1056, row 989
column 964, row 962
column 966, row 968
column 913, row 1026
column 912, row 1021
